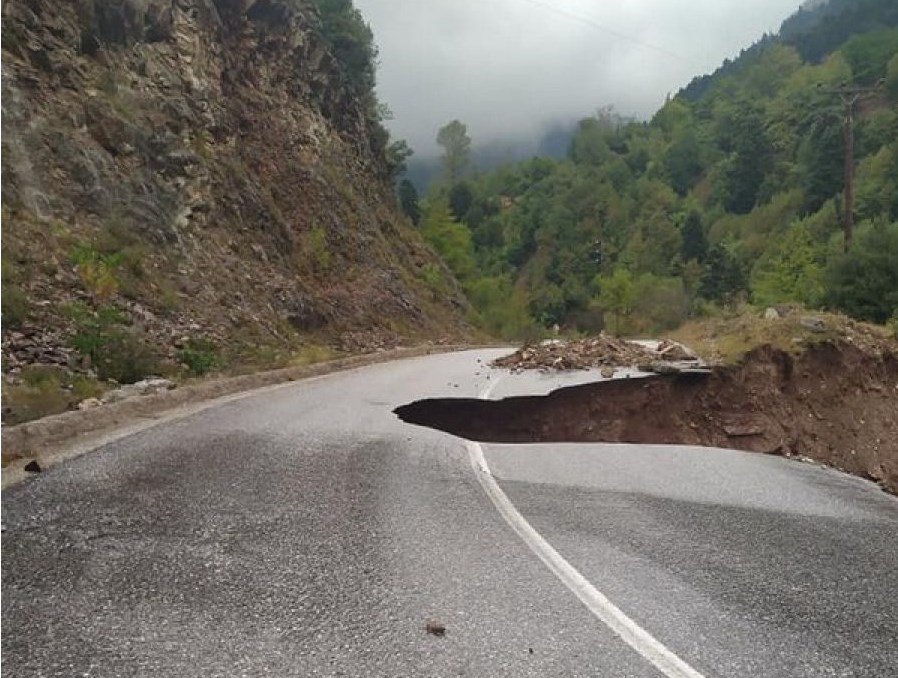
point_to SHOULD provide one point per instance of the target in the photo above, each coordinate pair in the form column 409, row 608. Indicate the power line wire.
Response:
column 605, row 29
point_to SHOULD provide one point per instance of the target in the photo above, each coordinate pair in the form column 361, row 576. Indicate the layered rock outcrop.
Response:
column 204, row 169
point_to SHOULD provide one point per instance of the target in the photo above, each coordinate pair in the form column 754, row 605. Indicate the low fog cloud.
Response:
column 510, row 68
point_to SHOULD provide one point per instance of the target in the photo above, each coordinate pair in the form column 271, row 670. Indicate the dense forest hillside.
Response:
column 194, row 185
column 733, row 191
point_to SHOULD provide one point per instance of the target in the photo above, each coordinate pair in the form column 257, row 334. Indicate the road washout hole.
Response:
column 832, row 403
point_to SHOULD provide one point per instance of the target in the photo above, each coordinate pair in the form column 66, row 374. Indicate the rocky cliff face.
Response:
column 197, row 172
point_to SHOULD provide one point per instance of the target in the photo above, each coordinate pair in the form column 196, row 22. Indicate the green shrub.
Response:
column 501, row 311
column 547, row 304
column 864, row 282
column 200, row 355
column 451, row 240
column 791, row 272
column 893, row 325
column 433, row 278
column 98, row 272
column 15, row 306
column 119, row 354
column 319, row 253
column 616, row 295
column 660, row 303
column 115, row 350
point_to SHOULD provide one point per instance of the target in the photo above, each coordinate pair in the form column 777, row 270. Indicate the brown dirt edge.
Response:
column 834, row 403
column 56, row 438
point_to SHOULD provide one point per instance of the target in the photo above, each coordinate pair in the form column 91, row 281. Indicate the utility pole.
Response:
column 850, row 95
column 849, row 99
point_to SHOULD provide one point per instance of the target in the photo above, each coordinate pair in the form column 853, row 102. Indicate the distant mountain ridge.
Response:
column 553, row 142
column 815, row 30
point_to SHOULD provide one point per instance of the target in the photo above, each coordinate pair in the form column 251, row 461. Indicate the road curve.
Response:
column 306, row 531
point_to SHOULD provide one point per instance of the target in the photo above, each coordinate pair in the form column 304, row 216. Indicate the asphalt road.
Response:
column 306, row 531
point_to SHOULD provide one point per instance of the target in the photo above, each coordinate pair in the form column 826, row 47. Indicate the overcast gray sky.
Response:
column 508, row 68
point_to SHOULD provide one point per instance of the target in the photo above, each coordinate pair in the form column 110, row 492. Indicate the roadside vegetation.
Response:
column 40, row 391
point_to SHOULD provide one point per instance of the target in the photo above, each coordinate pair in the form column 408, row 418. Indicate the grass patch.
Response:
column 122, row 100
column 15, row 306
column 247, row 358
column 726, row 338
column 165, row 296
column 311, row 354
column 44, row 391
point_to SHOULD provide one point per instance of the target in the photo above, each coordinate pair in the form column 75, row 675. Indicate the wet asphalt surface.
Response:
column 306, row 531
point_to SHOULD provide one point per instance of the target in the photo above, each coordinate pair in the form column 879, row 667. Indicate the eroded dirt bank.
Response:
column 834, row 403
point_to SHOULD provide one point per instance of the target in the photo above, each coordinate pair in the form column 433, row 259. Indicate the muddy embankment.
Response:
column 834, row 403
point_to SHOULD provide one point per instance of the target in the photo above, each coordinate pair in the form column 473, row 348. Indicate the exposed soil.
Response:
column 834, row 403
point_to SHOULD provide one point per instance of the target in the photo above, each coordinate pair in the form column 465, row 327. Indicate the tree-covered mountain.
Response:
column 732, row 191
column 815, row 32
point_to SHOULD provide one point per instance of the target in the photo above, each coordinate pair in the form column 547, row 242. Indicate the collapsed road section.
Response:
column 833, row 403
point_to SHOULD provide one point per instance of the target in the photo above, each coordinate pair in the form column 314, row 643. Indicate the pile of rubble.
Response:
column 600, row 351
column 367, row 341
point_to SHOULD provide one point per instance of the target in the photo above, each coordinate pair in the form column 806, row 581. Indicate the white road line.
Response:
column 629, row 631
